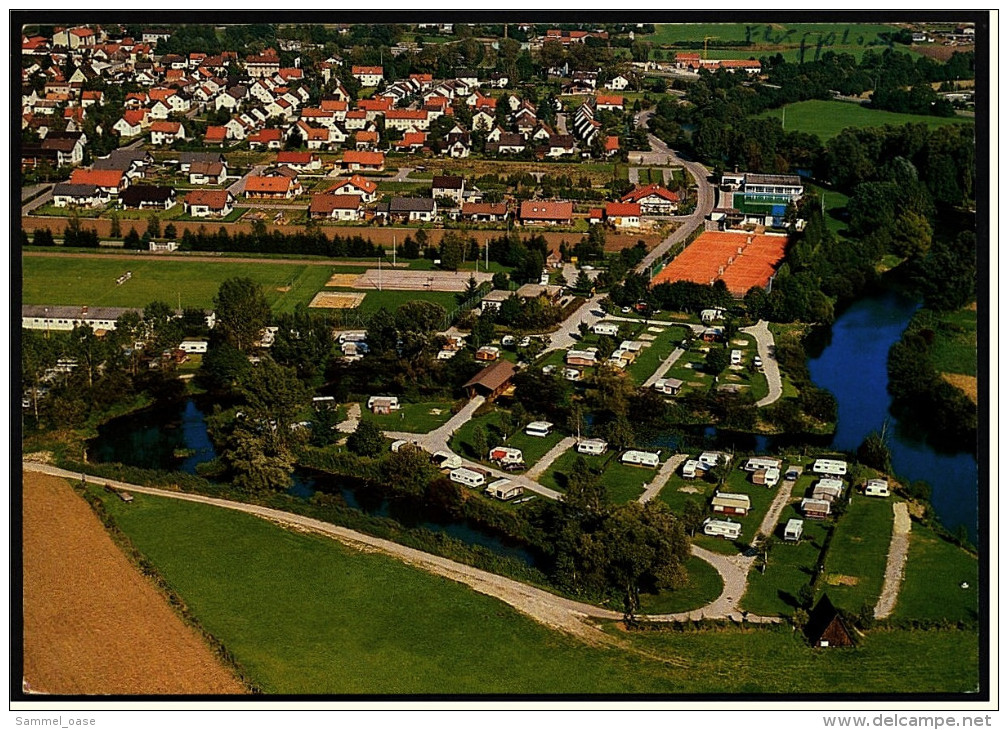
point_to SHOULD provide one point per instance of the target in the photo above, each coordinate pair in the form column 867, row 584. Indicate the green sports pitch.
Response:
column 75, row 280
column 826, row 119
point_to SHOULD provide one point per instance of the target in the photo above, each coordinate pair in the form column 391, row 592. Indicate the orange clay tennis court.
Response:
column 740, row 260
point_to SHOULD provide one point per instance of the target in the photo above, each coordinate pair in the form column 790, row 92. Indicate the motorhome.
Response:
column 641, row 458
column 722, row 528
column 468, row 477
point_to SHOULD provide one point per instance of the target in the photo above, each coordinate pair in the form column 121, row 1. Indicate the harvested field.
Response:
column 342, row 280
column 966, row 383
column 940, row 53
column 92, row 623
column 337, row 300
column 740, row 260
column 411, row 280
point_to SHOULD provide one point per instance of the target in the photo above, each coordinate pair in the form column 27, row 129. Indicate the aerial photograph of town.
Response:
column 517, row 356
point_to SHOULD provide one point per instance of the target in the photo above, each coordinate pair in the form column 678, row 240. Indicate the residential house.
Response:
column 448, row 186
column 279, row 186
column 409, row 209
column 484, row 212
column 545, row 212
column 362, row 160
column 109, row 181
column 609, row 102
column 207, row 173
column 617, row 83
column 78, row 195
column 271, row 139
column 68, row 146
column 623, row 215
column 265, row 65
column 148, row 197
column 336, row 207
column 131, row 123
column 164, row 133
column 208, row 203
column 357, row 185
column 366, row 139
column 508, row 143
column 494, row 299
column 653, row 199
column 300, row 161
column 412, row 142
column 560, row 145
column 368, row 76
column 215, row 135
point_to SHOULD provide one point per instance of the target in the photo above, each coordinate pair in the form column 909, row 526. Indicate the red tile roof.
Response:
column 380, row 104
column 364, row 158
column 213, row 199
column 259, row 184
column 290, row 157
column 99, row 178
column 361, row 183
column 166, row 127
column 215, row 134
column 609, row 99
column 546, row 210
column 358, row 70
column 326, row 203
column 411, row 139
column 263, row 135
column 622, row 209
column 611, row 144
column 653, row 189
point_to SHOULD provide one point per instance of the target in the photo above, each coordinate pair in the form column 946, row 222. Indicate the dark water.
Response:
column 852, row 366
column 175, row 437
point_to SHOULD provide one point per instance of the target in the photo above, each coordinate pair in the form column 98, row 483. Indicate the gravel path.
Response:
column 547, row 608
column 776, row 507
column 764, row 346
column 667, row 469
column 895, row 562
column 550, row 456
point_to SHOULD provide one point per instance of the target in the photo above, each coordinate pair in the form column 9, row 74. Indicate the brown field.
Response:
column 336, row 300
column 92, row 623
column 342, row 280
column 940, row 53
column 966, row 383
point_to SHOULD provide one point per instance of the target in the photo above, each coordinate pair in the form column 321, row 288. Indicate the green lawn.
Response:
column 955, row 345
column 392, row 299
column 826, row 119
column 652, row 356
column 789, row 567
column 533, row 448
column 858, row 551
column 73, row 280
column 703, row 586
column 935, row 571
column 760, row 498
column 303, row 614
column 625, row 482
column 766, row 33
column 835, row 204
column 461, row 440
column 677, row 491
column 412, row 417
column 556, row 476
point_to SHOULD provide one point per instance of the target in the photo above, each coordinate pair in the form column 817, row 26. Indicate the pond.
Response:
column 175, row 437
column 852, row 366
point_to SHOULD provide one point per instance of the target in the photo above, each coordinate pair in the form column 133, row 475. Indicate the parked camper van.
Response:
column 595, row 447
column 539, row 428
column 468, row 477
column 722, row 528
column 736, row 357
column 877, row 488
column 641, row 458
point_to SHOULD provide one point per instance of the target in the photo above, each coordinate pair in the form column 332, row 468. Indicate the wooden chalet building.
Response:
column 491, row 381
column 826, row 626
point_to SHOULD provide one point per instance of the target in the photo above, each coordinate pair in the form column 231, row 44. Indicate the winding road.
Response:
column 765, row 347
column 547, row 608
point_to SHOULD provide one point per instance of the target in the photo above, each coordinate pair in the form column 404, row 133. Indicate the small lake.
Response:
column 852, row 366
column 174, row 437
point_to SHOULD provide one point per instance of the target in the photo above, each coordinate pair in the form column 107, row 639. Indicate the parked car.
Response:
column 758, row 362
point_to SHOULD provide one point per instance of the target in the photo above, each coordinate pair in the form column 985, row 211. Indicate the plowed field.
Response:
column 92, row 623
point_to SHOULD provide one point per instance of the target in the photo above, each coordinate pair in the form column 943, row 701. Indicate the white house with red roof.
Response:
column 357, row 185
column 653, row 199
column 163, row 133
column 368, row 76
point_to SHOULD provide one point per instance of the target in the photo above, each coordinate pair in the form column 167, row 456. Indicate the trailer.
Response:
column 468, row 477
column 506, row 455
column 641, row 458
column 540, row 429
column 594, row 447
column 877, row 488
column 830, row 467
column 793, row 530
column 722, row 528
column 689, row 468
column 761, row 463
column 446, row 460
column 504, row 489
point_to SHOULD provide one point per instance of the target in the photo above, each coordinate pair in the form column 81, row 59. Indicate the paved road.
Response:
column 661, row 155
column 667, row 469
column 765, row 347
column 550, row 456
column 773, row 514
column 31, row 190
column 561, row 124
column 563, row 338
column 560, row 613
column 403, row 174
column 895, row 562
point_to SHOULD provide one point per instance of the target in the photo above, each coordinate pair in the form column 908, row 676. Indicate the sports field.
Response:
column 741, row 260
column 826, row 119
column 304, row 614
column 74, row 280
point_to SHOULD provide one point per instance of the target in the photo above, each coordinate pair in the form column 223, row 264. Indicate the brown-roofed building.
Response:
column 491, row 212
column 336, row 207
column 826, row 626
column 215, row 134
column 257, row 186
column 302, row 161
column 204, row 203
column 653, row 199
column 363, row 160
column 491, row 381
column 357, row 185
column 207, row 173
column 550, row 212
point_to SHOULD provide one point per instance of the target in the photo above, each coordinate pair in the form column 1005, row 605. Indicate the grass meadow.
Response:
column 303, row 614
column 826, row 119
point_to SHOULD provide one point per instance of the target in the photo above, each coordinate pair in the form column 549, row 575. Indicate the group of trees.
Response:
column 311, row 242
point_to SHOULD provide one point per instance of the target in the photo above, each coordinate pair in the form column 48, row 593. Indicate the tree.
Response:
column 273, row 393
column 43, row 237
column 154, row 226
column 132, row 240
column 693, row 516
column 619, row 432
column 874, row 451
column 479, row 441
column 170, row 231
column 366, row 440
column 717, row 360
column 256, row 460
column 500, row 281
column 419, row 316
column 242, row 312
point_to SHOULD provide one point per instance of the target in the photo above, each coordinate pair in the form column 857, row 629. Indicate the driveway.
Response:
column 765, row 347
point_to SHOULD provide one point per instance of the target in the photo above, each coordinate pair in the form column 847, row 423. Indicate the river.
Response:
column 852, row 366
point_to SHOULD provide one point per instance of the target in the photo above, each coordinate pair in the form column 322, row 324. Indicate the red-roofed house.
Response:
column 258, row 186
column 623, row 215
column 301, row 161
column 365, row 140
column 215, row 135
column 166, row 132
column 609, row 102
column 611, row 145
column 131, row 123
column 491, row 212
column 536, row 212
column 359, row 160
column 271, row 139
column 336, row 207
column 653, row 199
column 357, row 185
column 412, row 142
column 407, row 119
column 203, row 203
column 110, row 181
column 368, row 75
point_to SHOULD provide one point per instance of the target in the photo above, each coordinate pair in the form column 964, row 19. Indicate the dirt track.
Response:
column 92, row 623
